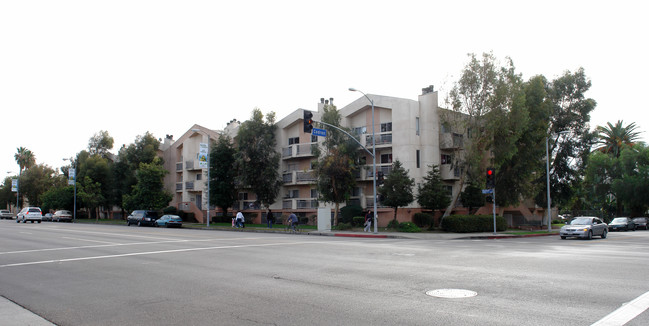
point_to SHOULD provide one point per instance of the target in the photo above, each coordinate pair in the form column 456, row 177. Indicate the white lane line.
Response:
column 625, row 313
column 88, row 240
column 153, row 253
column 120, row 244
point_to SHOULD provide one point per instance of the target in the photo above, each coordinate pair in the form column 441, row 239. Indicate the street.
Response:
column 78, row 274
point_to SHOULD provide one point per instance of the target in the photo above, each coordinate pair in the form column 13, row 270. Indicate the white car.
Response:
column 32, row 214
column 4, row 213
column 62, row 216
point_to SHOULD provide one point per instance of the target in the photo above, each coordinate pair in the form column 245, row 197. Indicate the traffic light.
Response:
column 308, row 121
column 491, row 178
column 489, row 199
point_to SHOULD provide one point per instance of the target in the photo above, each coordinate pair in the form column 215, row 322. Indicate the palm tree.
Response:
column 613, row 137
column 25, row 158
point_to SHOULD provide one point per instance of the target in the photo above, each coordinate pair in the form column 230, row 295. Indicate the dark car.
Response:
column 641, row 222
column 621, row 223
column 169, row 221
column 584, row 227
column 142, row 217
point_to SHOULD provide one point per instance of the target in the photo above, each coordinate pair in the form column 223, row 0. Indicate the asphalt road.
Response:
column 76, row 274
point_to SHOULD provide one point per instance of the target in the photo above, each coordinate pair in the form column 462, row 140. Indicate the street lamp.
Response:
column 373, row 154
column 547, row 173
column 74, row 212
column 208, row 174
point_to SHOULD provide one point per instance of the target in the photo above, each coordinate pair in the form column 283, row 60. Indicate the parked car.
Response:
column 584, row 227
column 6, row 214
column 32, row 214
column 62, row 216
column 47, row 217
column 641, row 222
column 621, row 223
column 142, row 217
column 169, row 221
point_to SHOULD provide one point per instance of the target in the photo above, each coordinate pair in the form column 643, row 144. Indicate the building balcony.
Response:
column 451, row 141
column 179, row 186
column 448, row 173
column 298, row 177
column 299, row 203
column 179, row 166
column 192, row 165
column 298, row 151
column 381, row 140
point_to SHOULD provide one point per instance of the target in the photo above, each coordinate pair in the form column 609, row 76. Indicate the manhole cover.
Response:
column 451, row 293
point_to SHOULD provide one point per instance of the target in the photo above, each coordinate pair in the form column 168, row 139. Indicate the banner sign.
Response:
column 202, row 156
column 14, row 185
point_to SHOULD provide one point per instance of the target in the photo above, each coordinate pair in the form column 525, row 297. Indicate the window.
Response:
column 314, row 138
column 386, row 158
column 314, row 193
column 359, row 130
column 199, row 176
column 243, row 196
column 293, row 193
column 418, row 159
column 449, row 189
column 294, row 140
column 356, row 192
column 417, row 126
column 446, row 127
column 386, row 127
column 447, row 159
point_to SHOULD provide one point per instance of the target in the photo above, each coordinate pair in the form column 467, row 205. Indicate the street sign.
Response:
column 202, row 155
column 14, row 185
column 487, row 191
column 319, row 132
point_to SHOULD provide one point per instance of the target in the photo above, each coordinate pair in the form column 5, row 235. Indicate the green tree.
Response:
column 129, row 158
column 100, row 144
column 7, row 197
column 336, row 166
column 472, row 196
column 613, row 138
column 36, row 180
column 149, row 192
column 632, row 188
column 397, row 188
column 90, row 196
column 98, row 169
column 25, row 158
column 257, row 159
column 58, row 198
column 432, row 194
column 223, row 190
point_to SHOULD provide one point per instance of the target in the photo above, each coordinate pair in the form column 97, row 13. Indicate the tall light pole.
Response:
column 208, row 174
column 373, row 155
column 547, row 174
column 74, row 180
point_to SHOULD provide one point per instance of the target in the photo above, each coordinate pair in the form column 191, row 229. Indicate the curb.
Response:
column 511, row 236
column 351, row 235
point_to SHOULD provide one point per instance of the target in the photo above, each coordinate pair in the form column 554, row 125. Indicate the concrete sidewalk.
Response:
column 12, row 314
column 429, row 235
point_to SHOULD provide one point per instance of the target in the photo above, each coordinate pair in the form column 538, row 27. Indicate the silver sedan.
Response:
column 584, row 227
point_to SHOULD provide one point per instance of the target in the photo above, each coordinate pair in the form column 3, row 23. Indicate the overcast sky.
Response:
column 69, row 69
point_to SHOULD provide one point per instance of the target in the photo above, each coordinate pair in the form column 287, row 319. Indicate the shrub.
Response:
column 348, row 212
column 343, row 226
column 172, row 210
column 422, row 220
column 394, row 224
column 408, row 227
column 473, row 223
column 358, row 221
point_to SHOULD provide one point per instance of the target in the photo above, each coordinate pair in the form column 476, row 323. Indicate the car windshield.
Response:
column 619, row 220
column 581, row 221
column 639, row 219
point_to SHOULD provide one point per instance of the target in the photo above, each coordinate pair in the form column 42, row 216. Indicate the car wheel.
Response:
column 17, row 221
column 563, row 238
column 590, row 235
column 128, row 223
column 604, row 234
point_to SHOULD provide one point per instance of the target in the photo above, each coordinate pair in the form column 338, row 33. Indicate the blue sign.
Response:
column 319, row 132
column 487, row 191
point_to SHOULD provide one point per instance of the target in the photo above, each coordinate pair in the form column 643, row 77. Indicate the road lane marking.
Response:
column 120, row 244
column 625, row 313
column 154, row 253
column 88, row 240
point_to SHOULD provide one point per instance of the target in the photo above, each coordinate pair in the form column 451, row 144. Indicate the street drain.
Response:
column 451, row 293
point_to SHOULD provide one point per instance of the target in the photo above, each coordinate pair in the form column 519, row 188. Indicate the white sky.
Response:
column 69, row 69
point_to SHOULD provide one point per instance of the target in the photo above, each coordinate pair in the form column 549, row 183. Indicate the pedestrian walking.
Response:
column 270, row 219
column 368, row 221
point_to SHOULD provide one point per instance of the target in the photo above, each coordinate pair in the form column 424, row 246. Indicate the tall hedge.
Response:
column 473, row 223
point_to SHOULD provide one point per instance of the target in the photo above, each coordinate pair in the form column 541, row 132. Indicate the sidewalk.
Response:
column 12, row 314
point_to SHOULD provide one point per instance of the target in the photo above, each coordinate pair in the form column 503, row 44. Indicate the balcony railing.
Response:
column 382, row 139
column 179, row 166
column 305, row 176
column 179, row 186
column 299, row 203
column 450, row 140
column 298, row 150
column 189, row 185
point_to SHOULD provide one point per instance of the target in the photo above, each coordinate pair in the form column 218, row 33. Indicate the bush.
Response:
column 348, row 212
column 422, row 220
column 358, row 221
column 171, row 210
column 473, row 223
column 408, row 227
column 343, row 226
column 394, row 224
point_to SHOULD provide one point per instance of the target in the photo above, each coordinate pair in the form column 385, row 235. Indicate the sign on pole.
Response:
column 71, row 176
column 319, row 132
column 487, row 191
column 202, row 155
column 14, row 185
